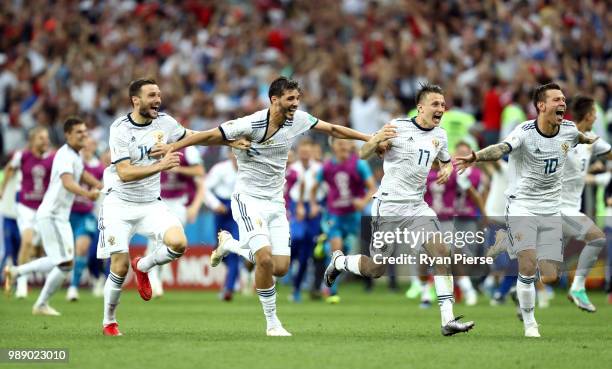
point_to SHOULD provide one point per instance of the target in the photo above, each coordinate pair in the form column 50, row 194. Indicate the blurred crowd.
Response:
column 359, row 62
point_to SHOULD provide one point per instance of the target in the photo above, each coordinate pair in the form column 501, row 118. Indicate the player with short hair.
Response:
column 52, row 216
column 538, row 151
column 258, row 205
column 133, row 203
column 83, row 219
column 399, row 202
column 35, row 164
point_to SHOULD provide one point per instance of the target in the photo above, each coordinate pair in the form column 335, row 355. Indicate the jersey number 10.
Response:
column 550, row 165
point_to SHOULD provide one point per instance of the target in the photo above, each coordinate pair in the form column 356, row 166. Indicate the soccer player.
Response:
column 575, row 223
column 538, row 153
column 399, row 203
column 52, row 217
column 182, row 189
column 304, row 227
column 258, row 205
column 132, row 203
column 34, row 164
column 347, row 179
column 83, row 220
column 219, row 186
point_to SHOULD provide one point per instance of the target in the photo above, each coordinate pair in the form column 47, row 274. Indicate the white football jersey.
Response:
column 219, row 183
column 261, row 169
column 133, row 142
column 408, row 161
column 576, row 168
column 57, row 201
column 536, row 165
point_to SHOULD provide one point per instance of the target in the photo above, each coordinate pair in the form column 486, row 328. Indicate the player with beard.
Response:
column 258, row 205
column 133, row 203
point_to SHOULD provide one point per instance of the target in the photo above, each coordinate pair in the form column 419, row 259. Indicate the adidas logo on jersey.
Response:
column 410, row 139
column 537, row 151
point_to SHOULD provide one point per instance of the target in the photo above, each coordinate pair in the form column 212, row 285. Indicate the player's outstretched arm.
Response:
column 383, row 135
column 210, row 137
column 586, row 139
column 129, row 173
column 71, row 185
column 338, row 131
column 490, row 153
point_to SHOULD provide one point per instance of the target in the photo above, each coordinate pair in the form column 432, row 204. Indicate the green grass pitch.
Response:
column 376, row 330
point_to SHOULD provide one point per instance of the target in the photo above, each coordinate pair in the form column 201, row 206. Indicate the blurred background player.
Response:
column 350, row 187
column 84, row 223
column 53, row 216
column 469, row 211
column 34, row 166
column 576, row 224
column 305, row 226
column 219, row 186
column 11, row 239
column 182, row 189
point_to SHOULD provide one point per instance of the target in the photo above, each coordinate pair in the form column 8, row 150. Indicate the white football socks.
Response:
column 526, row 293
column 112, row 292
column 444, row 290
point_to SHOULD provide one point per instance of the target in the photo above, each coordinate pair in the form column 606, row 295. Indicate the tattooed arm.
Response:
column 490, row 153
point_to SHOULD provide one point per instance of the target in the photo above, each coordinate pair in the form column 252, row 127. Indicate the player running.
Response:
column 83, row 220
column 258, row 205
column 53, row 215
column 133, row 203
column 35, row 165
column 399, row 202
column 538, row 151
column 575, row 223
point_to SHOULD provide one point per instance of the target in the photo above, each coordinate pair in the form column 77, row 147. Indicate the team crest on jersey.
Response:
column 259, row 223
column 565, row 147
column 111, row 240
column 435, row 142
column 159, row 136
column 518, row 236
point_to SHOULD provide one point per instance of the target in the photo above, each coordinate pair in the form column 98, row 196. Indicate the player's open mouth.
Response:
column 560, row 113
column 155, row 109
column 437, row 118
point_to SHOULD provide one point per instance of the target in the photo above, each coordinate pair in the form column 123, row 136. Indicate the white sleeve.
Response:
column 236, row 128
column 211, row 181
column 303, row 121
column 192, row 155
column 516, row 138
column 443, row 154
column 600, row 147
column 64, row 164
column 177, row 131
column 119, row 146
column 16, row 159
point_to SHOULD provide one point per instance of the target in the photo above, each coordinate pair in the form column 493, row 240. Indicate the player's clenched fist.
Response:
column 170, row 160
column 93, row 194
